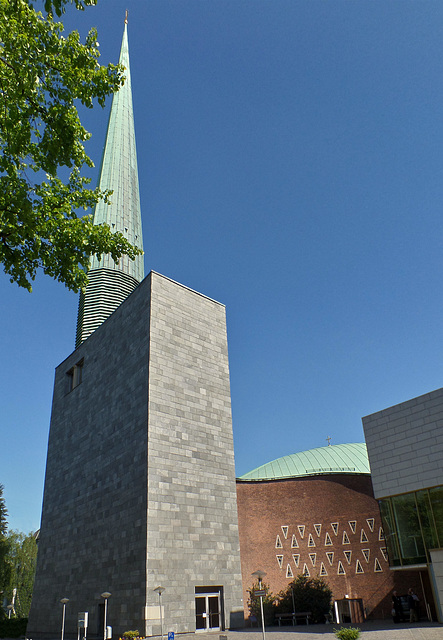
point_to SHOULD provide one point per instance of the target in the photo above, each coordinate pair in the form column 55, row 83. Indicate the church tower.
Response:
column 110, row 283
column 140, row 487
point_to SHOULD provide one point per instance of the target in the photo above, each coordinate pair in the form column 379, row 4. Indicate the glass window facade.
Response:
column 413, row 524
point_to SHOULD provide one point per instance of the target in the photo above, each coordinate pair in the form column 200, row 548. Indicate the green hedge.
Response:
column 13, row 627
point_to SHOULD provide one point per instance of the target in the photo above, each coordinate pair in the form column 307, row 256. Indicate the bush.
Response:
column 130, row 635
column 13, row 627
column 306, row 594
column 268, row 604
column 347, row 633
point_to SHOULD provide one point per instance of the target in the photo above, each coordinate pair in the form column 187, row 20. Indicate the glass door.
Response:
column 207, row 612
column 213, row 609
column 200, row 613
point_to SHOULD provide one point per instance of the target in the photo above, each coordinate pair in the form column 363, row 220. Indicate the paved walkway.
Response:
column 378, row 630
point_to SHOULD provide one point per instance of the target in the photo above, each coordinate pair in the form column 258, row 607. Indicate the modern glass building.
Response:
column 413, row 524
column 405, row 448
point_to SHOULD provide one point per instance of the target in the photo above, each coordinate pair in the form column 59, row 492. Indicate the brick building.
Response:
column 314, row 513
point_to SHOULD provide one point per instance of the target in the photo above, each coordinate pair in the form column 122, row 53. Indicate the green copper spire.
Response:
column 110, row 283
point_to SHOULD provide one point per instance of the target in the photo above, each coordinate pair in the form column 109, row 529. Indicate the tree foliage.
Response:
column 3, row 513
column 4, row 567
column 44, row 76
column 59, row 5
column 21, row 558
column 306, row 594
column 268, row 603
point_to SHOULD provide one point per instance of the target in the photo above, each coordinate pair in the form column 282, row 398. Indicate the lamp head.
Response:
column 259, row 574
column 159, row 590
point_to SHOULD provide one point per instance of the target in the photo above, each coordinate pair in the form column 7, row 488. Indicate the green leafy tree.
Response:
column 21, row 559
column 59, row 5
column 306, row 594
column 3, row 513
column 268, row 603
column 44, row 76
column 4, row 566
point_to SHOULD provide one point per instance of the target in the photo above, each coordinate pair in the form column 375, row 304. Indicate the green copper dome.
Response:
column 338, row 458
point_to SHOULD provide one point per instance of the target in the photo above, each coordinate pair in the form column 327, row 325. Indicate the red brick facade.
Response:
column 325, row 525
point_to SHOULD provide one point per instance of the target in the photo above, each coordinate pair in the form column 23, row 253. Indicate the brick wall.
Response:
column 327, row 525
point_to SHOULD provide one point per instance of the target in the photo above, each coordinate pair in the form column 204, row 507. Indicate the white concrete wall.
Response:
column 437, row 576
column 405, row 445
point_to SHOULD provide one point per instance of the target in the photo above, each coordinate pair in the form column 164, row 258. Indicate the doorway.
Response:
column 207, row 611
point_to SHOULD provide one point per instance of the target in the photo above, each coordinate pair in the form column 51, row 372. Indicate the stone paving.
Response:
column 372, row 630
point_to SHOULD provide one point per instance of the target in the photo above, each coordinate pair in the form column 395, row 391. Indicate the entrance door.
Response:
column 207, row 612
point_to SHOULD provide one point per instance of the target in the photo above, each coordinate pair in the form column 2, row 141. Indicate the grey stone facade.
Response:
column 405, row 445
column 140, row 480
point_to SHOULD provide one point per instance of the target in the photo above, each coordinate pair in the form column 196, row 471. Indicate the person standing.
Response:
column 397, row 609
column 413, row 603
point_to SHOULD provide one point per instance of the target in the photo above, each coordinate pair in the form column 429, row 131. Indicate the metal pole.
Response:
column 63, row 621
column 106, row 611
column 261, row 609
column 64, row 602
column 160, row 590
column 161, row 614
column 259, row 575
column 105, row 595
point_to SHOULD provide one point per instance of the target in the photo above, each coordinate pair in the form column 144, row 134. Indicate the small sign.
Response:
column 261, row 592
column 83, row 619
column 170, row 635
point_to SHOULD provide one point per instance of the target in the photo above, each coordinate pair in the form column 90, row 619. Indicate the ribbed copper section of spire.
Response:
column 110, row 283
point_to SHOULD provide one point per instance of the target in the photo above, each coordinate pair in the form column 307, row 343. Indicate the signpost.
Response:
column 160, row 590
column 260, row 593
column 82, row 623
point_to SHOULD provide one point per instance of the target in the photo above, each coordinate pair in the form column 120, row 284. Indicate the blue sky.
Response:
column 291, row 166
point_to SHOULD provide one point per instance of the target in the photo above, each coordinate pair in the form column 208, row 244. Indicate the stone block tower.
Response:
column 140, row 480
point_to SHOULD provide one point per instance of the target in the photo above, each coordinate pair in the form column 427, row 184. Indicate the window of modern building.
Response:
column 413, row 524
column 390, row 532
column 436, row 499
column 427, row 520
column 408, row 529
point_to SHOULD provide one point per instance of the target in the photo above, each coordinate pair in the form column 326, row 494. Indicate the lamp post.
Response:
column 160, row 590
column 64, row 602
column 105, row 595
column 261, row 574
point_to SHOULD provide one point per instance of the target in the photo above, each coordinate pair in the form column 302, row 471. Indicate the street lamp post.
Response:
column 64, row 602
column 160, row 590
column 261, row 574
column 105, row 595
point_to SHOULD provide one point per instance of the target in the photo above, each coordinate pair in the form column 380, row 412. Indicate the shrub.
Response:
column 268, row 604
column 347, row 633
column 306, row 594
column 130, row 635
column 13, row 627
